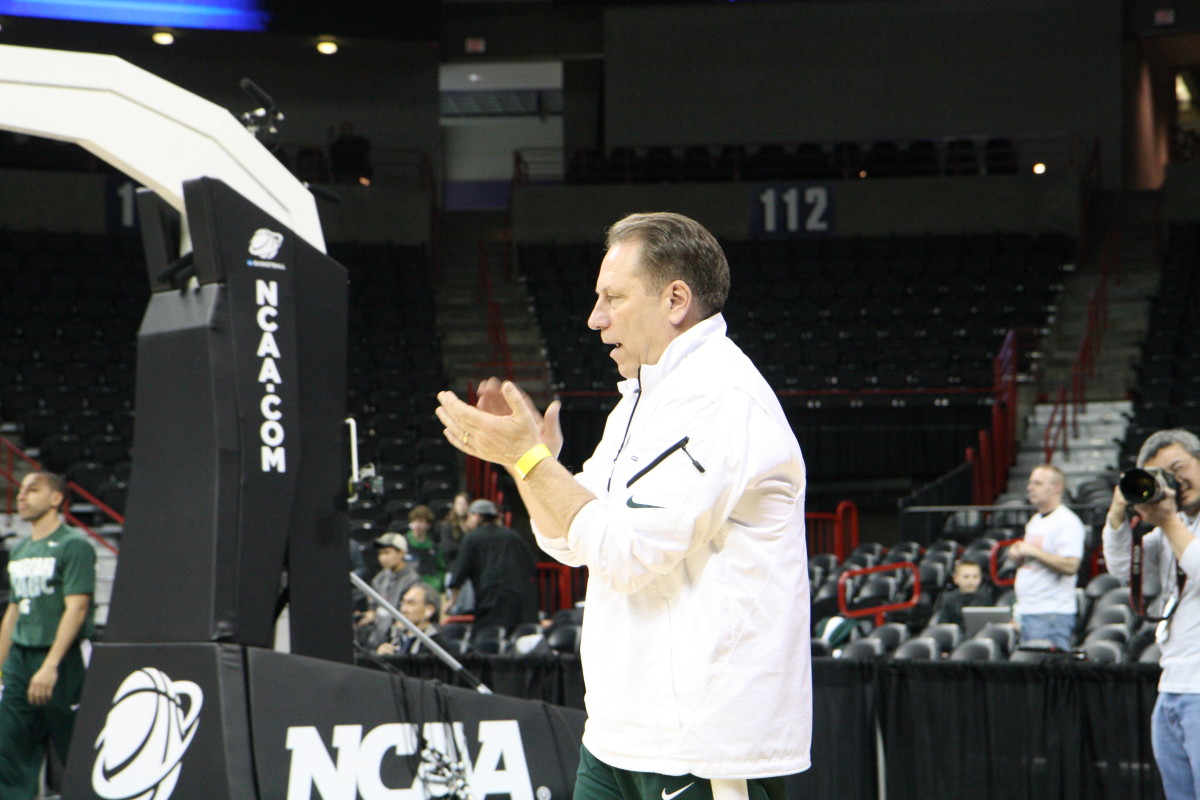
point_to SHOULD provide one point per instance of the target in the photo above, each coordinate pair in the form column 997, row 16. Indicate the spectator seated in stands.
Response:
column 449, row 534
column 419, row 606
column 452, row 529
column 429, row 561
column 970, row 590
column 395, row 577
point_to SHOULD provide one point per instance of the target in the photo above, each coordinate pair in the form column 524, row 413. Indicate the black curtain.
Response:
column 843, row 747
column 954, row 730
column 548, row 677
column 1007, row 731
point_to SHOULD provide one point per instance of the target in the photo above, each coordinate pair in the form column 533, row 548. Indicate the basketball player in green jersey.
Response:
column 52, row 576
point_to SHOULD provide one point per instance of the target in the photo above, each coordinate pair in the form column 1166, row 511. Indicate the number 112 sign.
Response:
column 789, row 210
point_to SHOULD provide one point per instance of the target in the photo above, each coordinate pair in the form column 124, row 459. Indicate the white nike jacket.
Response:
column 696, row 635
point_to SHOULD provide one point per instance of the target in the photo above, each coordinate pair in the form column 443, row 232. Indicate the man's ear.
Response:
column 680, row 301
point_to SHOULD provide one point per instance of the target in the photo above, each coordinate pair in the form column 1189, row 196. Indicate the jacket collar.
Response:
column 682, row 346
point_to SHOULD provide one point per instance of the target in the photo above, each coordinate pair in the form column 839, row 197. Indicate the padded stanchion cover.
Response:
column 330, row 730
column 165, row 720
column 240, row 399
column 224, row 722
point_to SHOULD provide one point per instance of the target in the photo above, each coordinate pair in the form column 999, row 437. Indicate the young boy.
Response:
column 970, row 590
column 395, row 577
column 429, row 561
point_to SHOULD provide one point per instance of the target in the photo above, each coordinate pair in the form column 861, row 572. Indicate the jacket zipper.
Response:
column 680, row 445
column 628, row 425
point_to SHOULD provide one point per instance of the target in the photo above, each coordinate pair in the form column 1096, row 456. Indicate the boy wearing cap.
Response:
column 396, row 576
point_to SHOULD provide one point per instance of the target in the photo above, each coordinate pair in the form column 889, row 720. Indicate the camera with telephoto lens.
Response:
column 1147, row 485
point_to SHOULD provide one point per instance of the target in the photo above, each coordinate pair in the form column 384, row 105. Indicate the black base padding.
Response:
column 163, row 720
column 214, row 721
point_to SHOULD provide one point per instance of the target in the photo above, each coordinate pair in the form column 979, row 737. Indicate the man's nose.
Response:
column 597, row 320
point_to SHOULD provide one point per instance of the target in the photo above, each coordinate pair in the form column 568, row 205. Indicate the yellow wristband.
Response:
column 531, row 459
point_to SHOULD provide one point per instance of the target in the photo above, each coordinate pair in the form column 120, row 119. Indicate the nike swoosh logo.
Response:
column 677, row 792
column 630, row 502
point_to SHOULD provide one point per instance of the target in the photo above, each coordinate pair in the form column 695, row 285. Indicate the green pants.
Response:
column 25, row 729
column 598, row 781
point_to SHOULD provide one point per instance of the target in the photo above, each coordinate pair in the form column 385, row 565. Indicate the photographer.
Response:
column 1171, row 565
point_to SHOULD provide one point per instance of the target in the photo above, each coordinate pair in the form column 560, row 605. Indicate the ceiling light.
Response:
column 162, row 37
column 1182, row 93
column 326, row 47
column 1039, row 168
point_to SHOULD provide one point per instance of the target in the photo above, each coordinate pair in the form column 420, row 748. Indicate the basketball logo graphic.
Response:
column 265, row 243
column 148, row 729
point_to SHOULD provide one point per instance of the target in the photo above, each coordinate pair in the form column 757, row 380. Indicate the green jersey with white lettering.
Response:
column 40, row 574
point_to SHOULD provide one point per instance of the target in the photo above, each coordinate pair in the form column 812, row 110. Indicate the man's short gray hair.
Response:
column 1162, row 439
column 675, row 247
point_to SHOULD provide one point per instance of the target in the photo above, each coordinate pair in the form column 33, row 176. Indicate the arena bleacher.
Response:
column 880, row 332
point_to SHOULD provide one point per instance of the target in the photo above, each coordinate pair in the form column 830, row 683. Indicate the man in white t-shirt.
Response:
column 1049, row 557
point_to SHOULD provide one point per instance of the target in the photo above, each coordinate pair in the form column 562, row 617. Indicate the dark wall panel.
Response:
column 828, row 71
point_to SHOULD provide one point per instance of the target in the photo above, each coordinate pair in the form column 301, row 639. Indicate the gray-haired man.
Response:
column 1171, row 559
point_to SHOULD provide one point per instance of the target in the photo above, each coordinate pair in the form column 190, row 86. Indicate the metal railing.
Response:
column 997, row 446
column 1071, row 400
column 878, row 611
column 994, row 563
column 835, row 532
column 560, row 586
column 10, row 454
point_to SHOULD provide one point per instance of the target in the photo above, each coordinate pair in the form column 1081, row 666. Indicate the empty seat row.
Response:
column 804, row 161
column 1107, row 628
column 70, row 347
column 907, row 331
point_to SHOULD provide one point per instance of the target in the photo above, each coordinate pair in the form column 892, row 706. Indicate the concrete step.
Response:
column 461, row 318
column 1107, row 411
column 1077, row 467
column 1090, row 436
column 518, row 344
column 1092, row 448
column 457, row 340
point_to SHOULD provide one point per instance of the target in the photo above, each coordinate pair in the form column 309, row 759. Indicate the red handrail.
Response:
column 1073, row 400
column 554, row 586
column 9, row 474
column 496, row 333
column 972, row 457
column 474, row 466
column 835, row 532
column 880, row 610
column 482, row 480
column 993, row 559
column 987, row 463
column 1055, row 436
